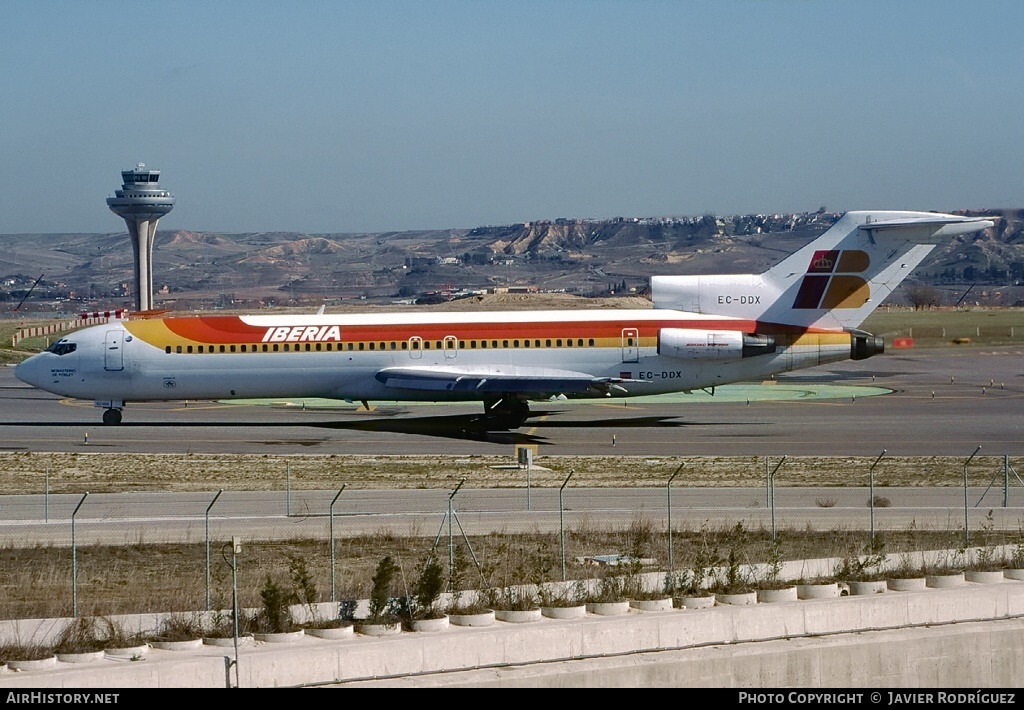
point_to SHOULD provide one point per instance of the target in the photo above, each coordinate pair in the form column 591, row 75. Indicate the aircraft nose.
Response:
column 28, row 371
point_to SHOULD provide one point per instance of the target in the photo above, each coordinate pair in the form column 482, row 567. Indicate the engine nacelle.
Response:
column 863, row 346
column 690, row 344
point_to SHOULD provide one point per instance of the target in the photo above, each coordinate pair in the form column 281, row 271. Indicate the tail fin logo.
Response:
column 833, row 280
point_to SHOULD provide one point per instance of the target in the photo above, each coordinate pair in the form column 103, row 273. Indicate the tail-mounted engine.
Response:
column 864, row 345
column 689, row 344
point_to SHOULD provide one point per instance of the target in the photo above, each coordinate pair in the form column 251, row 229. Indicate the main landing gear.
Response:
column 111, row 416
column 509, row 412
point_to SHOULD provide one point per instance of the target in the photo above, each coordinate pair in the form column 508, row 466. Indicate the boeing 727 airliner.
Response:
column 703, row 331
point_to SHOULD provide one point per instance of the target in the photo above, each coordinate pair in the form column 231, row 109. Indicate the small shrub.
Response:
column 611, row 588
column 553, row 594
column 732, row 579
column 117, row 635
column 463, row 600
column 381, row 607
column 427, row 590
column 880, row 502
column 180, row 627
column 773, row 570
column 80, row 636
column 303, row 585
column 825, row 502
column 14, row 651
column 866, row 567
column 275, row 617
column 694, row 582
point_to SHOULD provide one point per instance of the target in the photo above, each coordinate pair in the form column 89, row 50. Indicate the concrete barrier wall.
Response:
column 969, row 636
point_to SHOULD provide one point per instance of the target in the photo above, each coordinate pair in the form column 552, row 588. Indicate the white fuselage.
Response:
column 288, row 356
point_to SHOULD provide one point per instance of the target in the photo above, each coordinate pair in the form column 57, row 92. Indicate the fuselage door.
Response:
column 630, row 345
column 416, row 347
column 451, row 347
column 113, row 350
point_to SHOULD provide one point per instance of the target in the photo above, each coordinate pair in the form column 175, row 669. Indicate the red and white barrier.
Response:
column 119, row 313
column 41, row 330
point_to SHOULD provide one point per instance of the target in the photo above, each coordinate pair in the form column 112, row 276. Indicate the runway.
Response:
column 943, row 402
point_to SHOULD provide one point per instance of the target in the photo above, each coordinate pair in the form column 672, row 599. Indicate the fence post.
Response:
column 871, row 497
column 668, row 487
column 207, row 529
column 74, row 560
column 771, row 493
column 334, row 597
column 561, row 520
column 967, row 528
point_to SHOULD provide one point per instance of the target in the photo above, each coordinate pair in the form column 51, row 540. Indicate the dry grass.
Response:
column 25, row 473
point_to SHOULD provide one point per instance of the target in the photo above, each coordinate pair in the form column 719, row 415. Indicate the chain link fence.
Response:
column 73, row 554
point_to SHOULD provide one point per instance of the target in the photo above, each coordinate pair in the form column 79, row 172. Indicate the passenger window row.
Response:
column 412, row 344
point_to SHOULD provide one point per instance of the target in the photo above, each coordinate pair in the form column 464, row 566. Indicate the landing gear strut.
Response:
column 507, row 413
column 111, row 416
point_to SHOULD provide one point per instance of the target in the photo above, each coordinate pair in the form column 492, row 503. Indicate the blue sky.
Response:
column 375, row 116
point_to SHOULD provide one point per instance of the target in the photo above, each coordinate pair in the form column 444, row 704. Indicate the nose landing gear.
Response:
column 111, row 416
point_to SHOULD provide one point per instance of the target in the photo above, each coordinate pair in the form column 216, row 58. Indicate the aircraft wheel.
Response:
column 112, row 416
column 507, row 414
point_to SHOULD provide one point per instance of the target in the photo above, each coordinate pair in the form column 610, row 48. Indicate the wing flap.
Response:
column 526, row 381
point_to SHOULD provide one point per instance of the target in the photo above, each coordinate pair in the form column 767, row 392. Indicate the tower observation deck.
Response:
column 141, row 202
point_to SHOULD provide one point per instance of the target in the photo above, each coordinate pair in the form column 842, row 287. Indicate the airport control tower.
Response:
column 141, row 202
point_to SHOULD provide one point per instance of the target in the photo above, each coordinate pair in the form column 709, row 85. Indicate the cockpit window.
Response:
column 62, row 347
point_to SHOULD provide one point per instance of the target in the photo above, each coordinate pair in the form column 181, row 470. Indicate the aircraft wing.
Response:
column 514, row 380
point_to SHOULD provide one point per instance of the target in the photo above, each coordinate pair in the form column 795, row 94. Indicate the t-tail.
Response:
column 834, row 282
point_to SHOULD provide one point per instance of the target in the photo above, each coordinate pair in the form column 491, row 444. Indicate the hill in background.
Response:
column 82, row 272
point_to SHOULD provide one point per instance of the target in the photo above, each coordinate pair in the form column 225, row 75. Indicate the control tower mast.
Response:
column 141, row 202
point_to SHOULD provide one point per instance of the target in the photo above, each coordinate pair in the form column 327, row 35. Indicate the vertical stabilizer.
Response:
column 833, row 282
